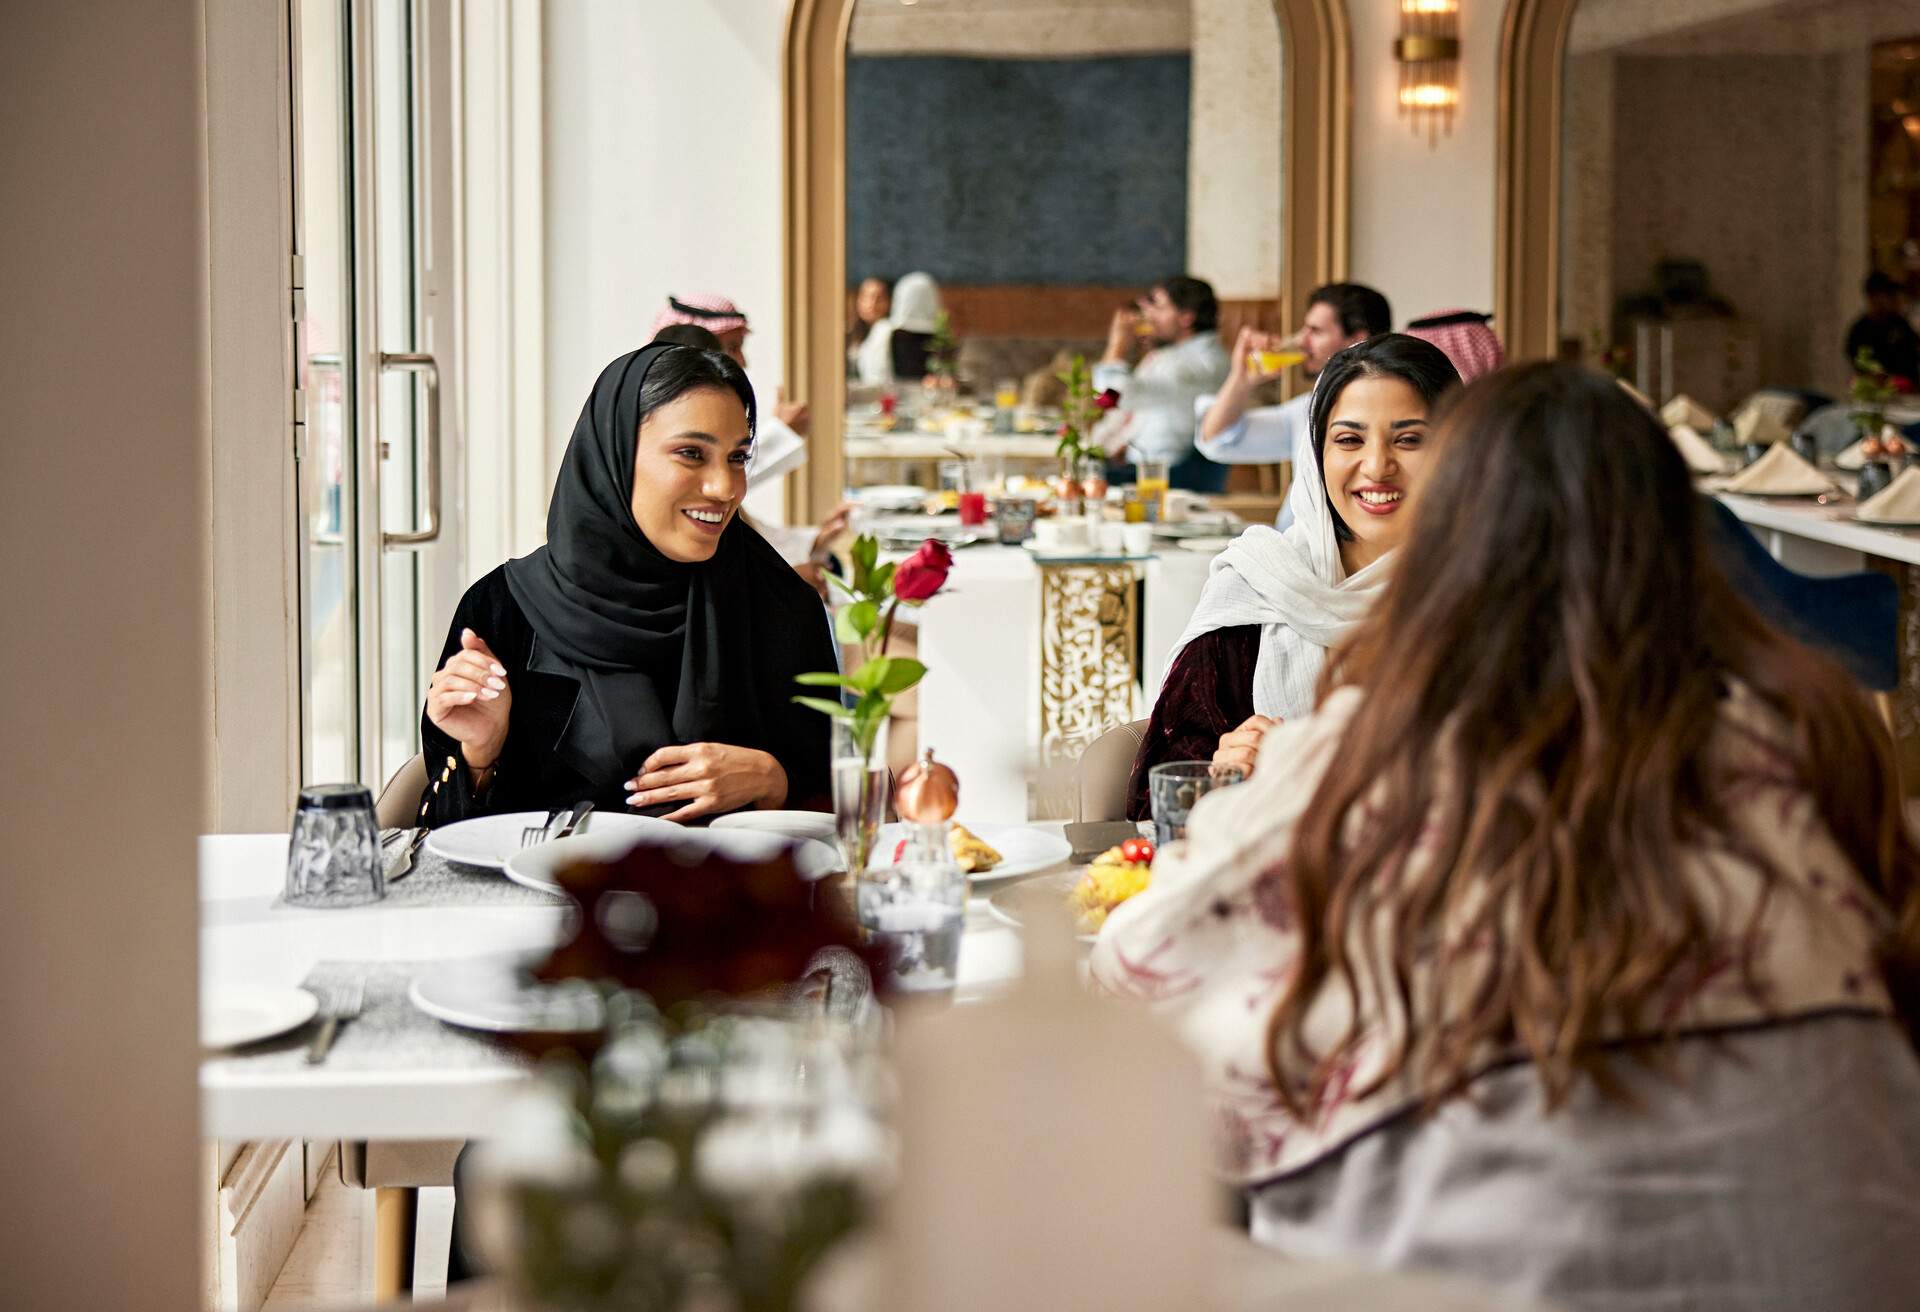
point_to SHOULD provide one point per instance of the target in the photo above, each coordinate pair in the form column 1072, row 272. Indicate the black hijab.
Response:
column 662, row 649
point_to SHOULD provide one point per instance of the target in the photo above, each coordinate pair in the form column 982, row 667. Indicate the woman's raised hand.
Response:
column 1241, row 748
column 710, row 778
column 468, row 699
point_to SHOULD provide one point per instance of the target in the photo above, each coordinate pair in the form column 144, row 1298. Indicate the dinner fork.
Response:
column 535, row 833
column 341, row 1003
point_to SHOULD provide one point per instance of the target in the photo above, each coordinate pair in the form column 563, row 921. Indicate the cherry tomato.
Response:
column 1137, row 851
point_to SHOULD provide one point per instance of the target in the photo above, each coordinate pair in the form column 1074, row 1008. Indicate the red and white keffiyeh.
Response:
column 1466, row 337
column 715, row 313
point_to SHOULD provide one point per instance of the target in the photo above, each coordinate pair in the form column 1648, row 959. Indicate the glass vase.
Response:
column 861, row 789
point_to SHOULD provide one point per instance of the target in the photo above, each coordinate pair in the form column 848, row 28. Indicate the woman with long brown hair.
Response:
column 1579, row 945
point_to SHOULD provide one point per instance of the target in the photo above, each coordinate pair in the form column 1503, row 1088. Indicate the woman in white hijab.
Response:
column 897, row 348
column 1276, row 602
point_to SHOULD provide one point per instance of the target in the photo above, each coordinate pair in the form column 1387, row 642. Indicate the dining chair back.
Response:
column 1106, row 765
column 399, row 804
column 1854, row 618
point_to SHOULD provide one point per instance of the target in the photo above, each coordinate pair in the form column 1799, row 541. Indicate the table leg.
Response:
column 395, row 1212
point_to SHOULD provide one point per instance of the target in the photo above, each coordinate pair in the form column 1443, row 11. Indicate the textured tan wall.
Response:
column 103, row 430
column 1233, row 164
column 1742, row 162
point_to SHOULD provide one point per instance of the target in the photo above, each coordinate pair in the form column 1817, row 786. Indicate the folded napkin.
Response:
column 1897, row 503
column 1784, row 406
column 1780, row 472
column 1635, row 393
column 1758, row 427
column 1683, row 409
column 1699, row 454
column 1853, row 458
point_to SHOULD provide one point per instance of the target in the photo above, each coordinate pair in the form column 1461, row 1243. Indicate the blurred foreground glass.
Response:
column 1174, row 787
column 333, row 855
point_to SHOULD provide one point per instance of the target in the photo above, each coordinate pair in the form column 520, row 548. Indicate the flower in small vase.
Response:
column 871, row 600
column 1107, row 400
column 923, row 573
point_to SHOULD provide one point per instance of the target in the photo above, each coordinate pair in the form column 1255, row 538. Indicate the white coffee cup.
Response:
column 1072, row 534
column 1113, row 539
column 1046, row 534
column 1138, row 539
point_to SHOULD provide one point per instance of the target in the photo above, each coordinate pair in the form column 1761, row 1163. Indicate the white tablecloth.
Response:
column 246, row 940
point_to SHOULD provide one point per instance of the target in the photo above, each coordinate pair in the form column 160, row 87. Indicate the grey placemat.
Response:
column 435, row 881
column 438, row 882
column 390, row 1033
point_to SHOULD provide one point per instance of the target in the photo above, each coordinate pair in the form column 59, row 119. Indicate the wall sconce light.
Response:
column 1428, row 52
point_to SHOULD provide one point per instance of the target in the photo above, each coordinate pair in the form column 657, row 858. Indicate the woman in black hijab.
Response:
column 646, row 655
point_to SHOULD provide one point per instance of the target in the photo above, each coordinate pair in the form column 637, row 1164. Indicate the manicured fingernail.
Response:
column 496, row 684
column 489, row 694
column 498, row 668
column 466, row 633
column 466, row 697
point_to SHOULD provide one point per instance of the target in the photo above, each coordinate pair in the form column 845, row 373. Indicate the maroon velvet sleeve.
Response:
column 1208, row 692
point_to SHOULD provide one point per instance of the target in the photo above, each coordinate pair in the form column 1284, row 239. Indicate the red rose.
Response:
column 1107, row 400
column 1062, row 430
column 1901, row 383
column 924, row 572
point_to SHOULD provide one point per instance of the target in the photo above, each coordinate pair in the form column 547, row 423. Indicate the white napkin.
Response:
column 1683, row 409
column 1787, row 409
column 1699, row 454
column 1780, row 472
column 1853, row 458
column 1897, row 503
column 1760, row 426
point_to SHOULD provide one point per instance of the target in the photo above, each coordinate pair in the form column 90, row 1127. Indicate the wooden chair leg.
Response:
column 395, row 1214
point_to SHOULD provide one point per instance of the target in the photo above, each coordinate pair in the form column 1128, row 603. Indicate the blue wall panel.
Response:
column 1018, row 171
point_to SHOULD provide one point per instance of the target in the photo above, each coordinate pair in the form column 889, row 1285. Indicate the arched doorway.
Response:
column 1314, row 132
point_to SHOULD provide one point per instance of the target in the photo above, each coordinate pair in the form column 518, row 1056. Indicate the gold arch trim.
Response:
column 1533, row 47
column 1316, row 132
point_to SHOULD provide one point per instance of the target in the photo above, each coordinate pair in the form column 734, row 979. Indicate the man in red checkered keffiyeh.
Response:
column 1466, row 337
column 717, row 314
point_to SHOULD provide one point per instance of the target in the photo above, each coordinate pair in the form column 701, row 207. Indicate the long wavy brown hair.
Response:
column 1552, row 655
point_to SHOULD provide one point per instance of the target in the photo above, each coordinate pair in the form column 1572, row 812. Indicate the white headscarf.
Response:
column 1294, row 587
column 916, row 304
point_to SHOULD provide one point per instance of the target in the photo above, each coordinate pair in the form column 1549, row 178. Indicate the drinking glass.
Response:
column 333, row 855
column 861, row 785
column 1151, row 483
column 1175, row 786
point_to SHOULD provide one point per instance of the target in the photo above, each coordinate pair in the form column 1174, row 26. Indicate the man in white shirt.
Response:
column 1155, row 417
column 1338, row 315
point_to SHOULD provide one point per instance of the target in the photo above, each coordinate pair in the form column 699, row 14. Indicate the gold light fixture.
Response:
column 1428, row 52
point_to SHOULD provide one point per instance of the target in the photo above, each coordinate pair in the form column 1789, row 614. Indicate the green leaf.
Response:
column 825, row 707
column 853, row 622
column 864, row 552
column 902, row 673
column 823, row 679
column 883, row 578
column 866, row 676
column 871, row 706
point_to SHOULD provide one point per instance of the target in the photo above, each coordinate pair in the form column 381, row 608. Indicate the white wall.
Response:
column 663, row 176
column 1423, row 222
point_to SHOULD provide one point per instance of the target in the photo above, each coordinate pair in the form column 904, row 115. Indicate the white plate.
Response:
column 1023, row 850
column 488, row 840
column 817, row 825
column 495, row 994
column 891, row 496
column 1205, row 545
column 1005, row 905
column 540, row 866
column 230, row 1017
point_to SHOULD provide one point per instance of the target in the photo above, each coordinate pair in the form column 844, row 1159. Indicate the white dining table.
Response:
column 247, row 941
